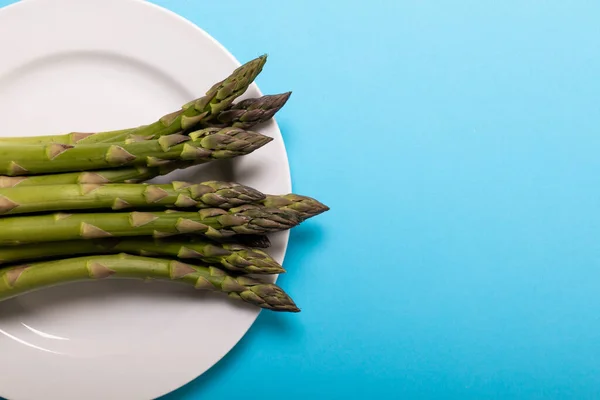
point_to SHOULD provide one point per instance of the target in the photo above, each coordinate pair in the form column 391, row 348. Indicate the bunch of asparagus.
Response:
column 77, row 206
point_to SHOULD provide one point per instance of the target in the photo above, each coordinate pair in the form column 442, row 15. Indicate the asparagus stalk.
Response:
column 217, row 99
column 71, row 138
column 87, row 190
column 27, row 199
column 245, row 115
column 22, row 279
column 209, row 222
column 115, row 175
column 231, row 256
column 201, row 146
column 133, row 174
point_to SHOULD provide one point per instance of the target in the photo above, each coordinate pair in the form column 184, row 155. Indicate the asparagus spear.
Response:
column 27, row 199
column 231, row 256
column 225, row 195
column 115, row 175
column 65, row 138
column 217, row 99
column 209, row 222
column 26, row 278
column 201, row 146
column 244, row 115
column 133, row 174
column 93, row 193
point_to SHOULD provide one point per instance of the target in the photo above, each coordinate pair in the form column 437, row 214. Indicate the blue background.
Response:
column 457, row 144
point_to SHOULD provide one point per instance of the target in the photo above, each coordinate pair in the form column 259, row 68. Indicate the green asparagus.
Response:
column 115, row 175
column 209, row 222
column 201, row 146
column 22, row 279
column 27, row 199
column 231, row 256
column 17, row 196
column 65, row 138
column 217, row 99
column 245, row 115
column 134, row 174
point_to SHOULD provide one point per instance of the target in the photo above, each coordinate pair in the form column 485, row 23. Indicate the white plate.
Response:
column 73, row 65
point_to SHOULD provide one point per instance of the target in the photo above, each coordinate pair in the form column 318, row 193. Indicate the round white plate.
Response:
column 73, row 65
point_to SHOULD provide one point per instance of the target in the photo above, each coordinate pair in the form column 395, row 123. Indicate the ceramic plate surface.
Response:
column 73, row 65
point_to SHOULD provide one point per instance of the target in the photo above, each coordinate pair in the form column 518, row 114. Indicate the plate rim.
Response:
column 288, row 177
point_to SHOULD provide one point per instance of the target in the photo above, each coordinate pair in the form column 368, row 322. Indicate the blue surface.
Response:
column 467, row 266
